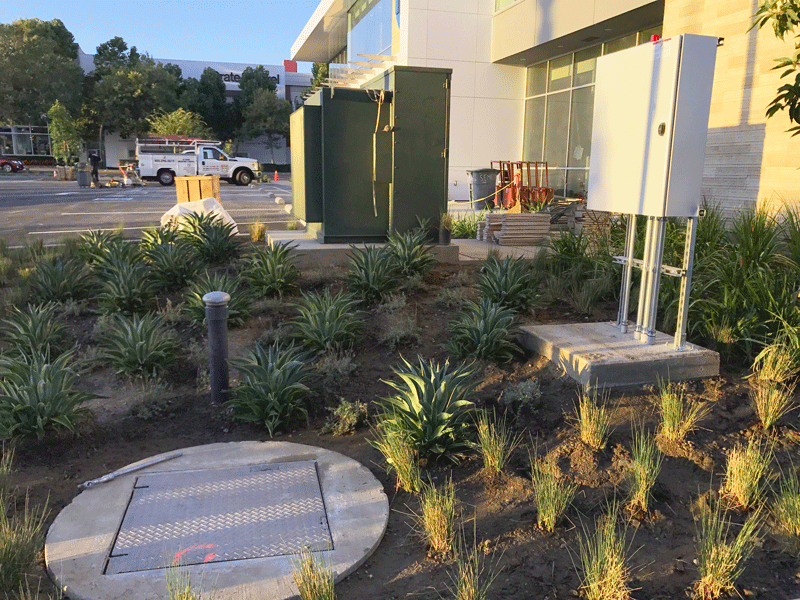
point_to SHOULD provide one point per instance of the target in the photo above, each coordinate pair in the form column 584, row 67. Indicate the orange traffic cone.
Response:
column 276, row 176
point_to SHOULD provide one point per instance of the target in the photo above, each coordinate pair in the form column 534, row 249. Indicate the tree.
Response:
column 178, row 122
column 38, row 65
column 784, row 16
column 267, row 115
column 319, row 73
column 206, row 97
column 66, row 141
column 113, row 55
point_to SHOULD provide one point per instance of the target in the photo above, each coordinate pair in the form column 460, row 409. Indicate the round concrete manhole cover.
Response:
column 233, row 515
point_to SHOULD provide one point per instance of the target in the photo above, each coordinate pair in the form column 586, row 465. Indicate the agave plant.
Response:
column 373, row 273
column 273, row 388
column 271, row 271
column 102, row 248
column 171, row 265
column 239, row 306
column 139, row 347
column 327, row 322
column 61, row 280
column 34, row 330
column 411, row 252
column 430, row 408
column 157, row 236
column 127, row 287
column 211, row 237
column 509, row 284
column 483, row 331
column 37, row 395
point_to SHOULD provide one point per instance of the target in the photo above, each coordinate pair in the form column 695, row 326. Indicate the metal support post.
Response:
column 627, row 272
column 686, row 283
column 217, row 317
column 655, row 280
column 643, row 283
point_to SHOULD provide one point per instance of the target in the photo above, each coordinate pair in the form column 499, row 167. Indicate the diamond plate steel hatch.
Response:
column 216, row 515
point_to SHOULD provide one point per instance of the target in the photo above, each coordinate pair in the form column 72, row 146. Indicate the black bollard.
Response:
column 217, row 317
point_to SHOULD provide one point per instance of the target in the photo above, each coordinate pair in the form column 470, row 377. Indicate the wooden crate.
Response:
column 197, row 187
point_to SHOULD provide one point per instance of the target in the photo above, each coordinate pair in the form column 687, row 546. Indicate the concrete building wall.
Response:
column 486, row 112
column 749, row 159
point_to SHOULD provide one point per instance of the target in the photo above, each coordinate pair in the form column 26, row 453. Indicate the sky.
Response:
column 237, row 31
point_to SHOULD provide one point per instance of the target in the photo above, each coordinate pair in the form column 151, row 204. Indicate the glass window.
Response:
column 555, row 177
column 555, row 135
column 585, row 65
column 370, row 28
column 580, row 127
column 576, row 183
column 560, row 73
column 645, row 35
column 537, row 79
column 534, row 129
column 620, row 44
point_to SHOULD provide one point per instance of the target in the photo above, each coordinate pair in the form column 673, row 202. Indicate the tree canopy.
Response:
column 784, row 16
column 38, row 63
column 66, row 141
column 178, row 122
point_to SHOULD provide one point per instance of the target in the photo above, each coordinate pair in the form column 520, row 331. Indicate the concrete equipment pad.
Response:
column 598, row 355
column 234, row 516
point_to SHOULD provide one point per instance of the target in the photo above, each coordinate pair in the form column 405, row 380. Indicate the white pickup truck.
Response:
column 165, row 159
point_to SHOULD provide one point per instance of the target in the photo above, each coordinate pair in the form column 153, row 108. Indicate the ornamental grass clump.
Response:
column 746, row 474
column 239, row 306
column 437, row 519
column 721, row 554
column 373, row 273
column 471, row 577
column 37, row 395
column 646, row 461
column 61, row 280
column 771, row 400
column 327, row 322
column 179, row 584
column 679, row 416
column 271, row 271
column 400, row 457
column 508, row 283
column 212, row 238
column 139, row 347
column 34, row 330
column 410, row 252
column 483, row 331
column 313, row 579
column 273, row 390
column 552, row 494
column 594, row 420
column 495, row 442
column 430, row 408
column 603, row 560
column 786, row 507
column 21, row 539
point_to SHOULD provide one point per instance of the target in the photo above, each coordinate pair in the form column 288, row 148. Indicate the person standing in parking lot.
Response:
column 94, row 158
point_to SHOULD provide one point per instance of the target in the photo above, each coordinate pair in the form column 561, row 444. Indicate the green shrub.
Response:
column 239, row 307
column 326, row 322
column 61, row 280
column 509, row 284
column 522, row 398
column 346, row 418
column 483, row 331
column 139, row 347
column 451, row 298
column 271, row 271
column 411, row 253
column 465, row 225
column 127, row 288
column 373, row 273
column 172, row 266
column 37, row 395
column 211, row 238
column 34, row 330
column 430, row 408
column 335, row 368
column 401, row 333
column 273, row 389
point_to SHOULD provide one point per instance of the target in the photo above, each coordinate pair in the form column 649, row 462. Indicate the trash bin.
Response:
column 83, row 175
column 482, row 186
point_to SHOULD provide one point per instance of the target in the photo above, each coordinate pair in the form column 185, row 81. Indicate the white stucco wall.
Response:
column 487, row 107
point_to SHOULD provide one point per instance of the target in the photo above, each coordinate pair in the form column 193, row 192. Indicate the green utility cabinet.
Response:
column 366, row 161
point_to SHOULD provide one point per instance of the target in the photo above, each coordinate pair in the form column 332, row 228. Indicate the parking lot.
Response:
column 35, row 207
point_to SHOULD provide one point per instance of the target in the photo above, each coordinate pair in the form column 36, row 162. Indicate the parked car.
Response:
column 11, row 165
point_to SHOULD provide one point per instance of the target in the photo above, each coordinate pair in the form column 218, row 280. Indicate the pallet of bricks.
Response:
column 523, row 229
column 492, row 225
